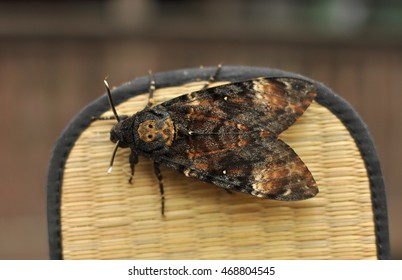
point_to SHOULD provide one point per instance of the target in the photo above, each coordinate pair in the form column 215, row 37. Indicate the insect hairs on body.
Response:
column 225, row 135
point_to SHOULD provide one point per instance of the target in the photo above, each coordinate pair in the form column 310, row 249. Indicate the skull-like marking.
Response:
column 154, row 130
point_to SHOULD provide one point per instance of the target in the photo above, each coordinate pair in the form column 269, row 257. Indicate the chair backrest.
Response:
column 95, row 215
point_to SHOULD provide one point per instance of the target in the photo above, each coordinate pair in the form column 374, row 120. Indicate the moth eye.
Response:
column 150, row 126
column 149, row 136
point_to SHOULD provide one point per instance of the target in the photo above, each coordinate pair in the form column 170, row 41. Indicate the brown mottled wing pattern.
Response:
column 227, row 136
column 271, row 104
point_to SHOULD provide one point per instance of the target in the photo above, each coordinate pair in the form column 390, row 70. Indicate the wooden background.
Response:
column 54, row 56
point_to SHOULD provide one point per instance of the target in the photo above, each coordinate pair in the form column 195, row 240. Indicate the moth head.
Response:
column 115, row 134
column 121, row 133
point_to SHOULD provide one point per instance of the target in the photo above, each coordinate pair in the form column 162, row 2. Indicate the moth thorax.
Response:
column 151, row 131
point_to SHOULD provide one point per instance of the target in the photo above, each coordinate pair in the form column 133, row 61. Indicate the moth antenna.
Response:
column 109, row 97
column 113, row 155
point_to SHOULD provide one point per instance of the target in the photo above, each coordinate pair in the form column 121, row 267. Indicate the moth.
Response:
column 225, row 135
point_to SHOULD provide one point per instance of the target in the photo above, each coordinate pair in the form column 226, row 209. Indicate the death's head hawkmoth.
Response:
column 225, row 135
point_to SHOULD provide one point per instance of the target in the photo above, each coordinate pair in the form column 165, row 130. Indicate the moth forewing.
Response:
column 226, row 135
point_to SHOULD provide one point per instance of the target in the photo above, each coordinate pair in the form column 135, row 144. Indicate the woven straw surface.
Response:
column 104, row 217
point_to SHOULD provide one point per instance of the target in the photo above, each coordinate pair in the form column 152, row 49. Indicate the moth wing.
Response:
column 271, row 104
column 266, row 167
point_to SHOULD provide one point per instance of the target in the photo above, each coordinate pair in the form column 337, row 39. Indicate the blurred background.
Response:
column 55, row 54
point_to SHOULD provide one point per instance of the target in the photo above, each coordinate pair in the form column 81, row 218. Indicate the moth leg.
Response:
column 213, row 76
column 108, row 118
column 133, row 159
column 158, row 175
column 151, row 90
